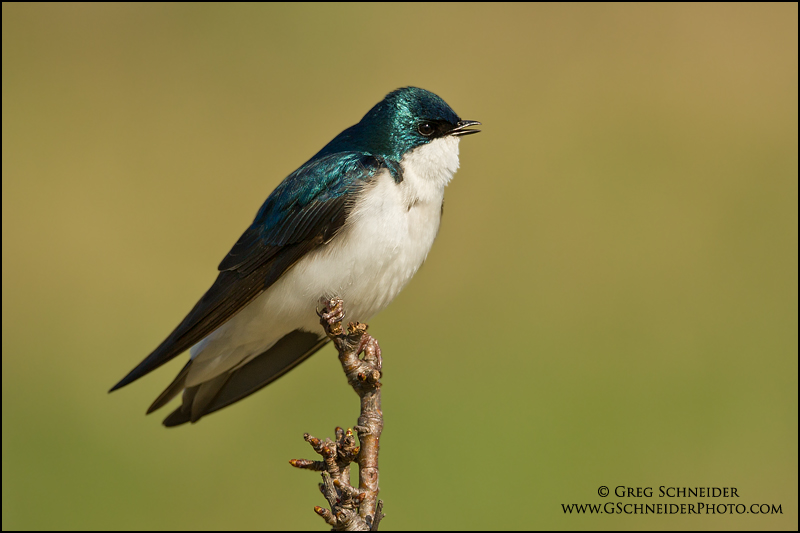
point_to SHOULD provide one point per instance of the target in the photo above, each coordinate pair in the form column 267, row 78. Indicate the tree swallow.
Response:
column 355, row 221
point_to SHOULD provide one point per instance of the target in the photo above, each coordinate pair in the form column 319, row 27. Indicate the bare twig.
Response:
column 352, row 509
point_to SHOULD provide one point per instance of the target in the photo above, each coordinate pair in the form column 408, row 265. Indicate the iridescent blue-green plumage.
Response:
column 389, row 128
column 311, row 198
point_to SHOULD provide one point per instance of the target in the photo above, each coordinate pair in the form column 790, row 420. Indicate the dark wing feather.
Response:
column 231, row 387
column 303, row 212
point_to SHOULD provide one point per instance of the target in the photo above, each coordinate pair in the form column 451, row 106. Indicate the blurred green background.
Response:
column 612, row 298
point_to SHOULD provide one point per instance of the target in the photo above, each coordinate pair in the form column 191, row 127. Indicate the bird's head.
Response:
column 405, row 119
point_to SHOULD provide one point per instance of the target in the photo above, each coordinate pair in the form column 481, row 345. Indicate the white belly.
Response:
column 386, row 239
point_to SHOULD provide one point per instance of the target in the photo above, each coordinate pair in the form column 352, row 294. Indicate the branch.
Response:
column 352, row 509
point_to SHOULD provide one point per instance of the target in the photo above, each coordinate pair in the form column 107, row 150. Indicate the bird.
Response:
column 356, row 222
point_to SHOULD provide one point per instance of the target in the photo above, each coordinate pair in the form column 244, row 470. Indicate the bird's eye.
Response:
column 426, row 129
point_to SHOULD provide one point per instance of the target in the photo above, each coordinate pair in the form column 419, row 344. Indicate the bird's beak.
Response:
column 461, row 128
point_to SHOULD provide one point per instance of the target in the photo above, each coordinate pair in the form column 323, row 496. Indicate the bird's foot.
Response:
column 331, row 315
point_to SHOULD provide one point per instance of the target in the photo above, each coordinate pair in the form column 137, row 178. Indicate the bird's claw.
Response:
column 332, row 313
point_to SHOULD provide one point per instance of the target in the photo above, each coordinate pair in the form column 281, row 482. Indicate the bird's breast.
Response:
column 389, row 231
column 387, row 237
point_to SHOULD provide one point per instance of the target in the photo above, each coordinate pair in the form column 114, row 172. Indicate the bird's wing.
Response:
column 305, row 211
